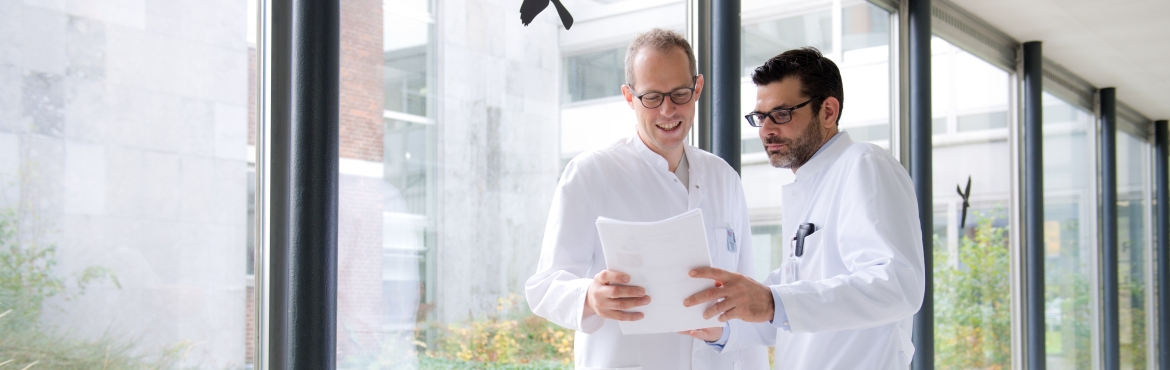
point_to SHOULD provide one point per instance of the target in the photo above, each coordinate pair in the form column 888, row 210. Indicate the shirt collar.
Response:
column 658, row 162
column 818, row 162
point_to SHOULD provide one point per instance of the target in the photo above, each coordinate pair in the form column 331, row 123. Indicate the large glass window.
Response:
column 771, row 28
column 593, row 112
column 1069, row 228
column 124, row 133
column 1133, row 248
column 972, row 177
column 454, row 129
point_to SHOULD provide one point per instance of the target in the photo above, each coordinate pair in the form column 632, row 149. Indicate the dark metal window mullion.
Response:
column 1111, row 345
column 1162, row 248
column 725, row 82
column 1034, row 329
column 917, row 14
column 301, row 80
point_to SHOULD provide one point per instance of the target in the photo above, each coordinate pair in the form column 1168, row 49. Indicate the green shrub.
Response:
column 973, row 301
column 513, row 338
column 27, row 280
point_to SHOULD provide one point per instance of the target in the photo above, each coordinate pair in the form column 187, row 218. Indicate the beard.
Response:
column 797, row 152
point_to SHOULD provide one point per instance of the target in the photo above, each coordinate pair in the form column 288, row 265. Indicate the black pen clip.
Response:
column 803, row 231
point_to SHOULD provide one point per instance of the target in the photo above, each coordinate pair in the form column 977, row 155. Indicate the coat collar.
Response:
column 697, row 167
column 820, row 161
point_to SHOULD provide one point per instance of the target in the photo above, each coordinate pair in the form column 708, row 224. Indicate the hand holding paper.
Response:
column 734, row 296
column 608, row 299
column 658, row 256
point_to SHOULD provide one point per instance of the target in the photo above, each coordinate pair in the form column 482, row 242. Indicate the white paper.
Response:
column 659, row 256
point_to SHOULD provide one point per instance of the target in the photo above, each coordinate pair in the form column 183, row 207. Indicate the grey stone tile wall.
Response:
column 498, row 132
column 123, row 130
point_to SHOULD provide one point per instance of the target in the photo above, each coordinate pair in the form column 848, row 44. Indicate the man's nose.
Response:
column 667, row 108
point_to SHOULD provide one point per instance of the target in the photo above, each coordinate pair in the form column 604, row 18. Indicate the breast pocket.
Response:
column 725, row 246
column 811, row 261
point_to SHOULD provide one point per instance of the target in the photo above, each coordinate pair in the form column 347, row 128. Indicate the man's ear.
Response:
column 830, row 110
column 629, row 95
column 698, row 86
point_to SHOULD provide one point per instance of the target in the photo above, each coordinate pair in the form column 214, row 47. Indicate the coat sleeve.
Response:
column 745, row 335
column 876, row 232
column 557, row 290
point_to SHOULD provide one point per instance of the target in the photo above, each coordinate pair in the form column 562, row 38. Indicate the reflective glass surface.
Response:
column 1133, row 249
column 1069, row 233
column 971, row 175
column 770, row 28
column 125, row 141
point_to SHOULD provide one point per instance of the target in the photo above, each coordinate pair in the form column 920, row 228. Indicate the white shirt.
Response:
column 861, row 277
column 627, row 181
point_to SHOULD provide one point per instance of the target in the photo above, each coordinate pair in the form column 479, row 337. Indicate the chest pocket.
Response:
column 812, row 260
column 725, row 247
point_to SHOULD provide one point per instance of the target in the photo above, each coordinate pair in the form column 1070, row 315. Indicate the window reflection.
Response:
column 972, row 282
column 1069, row 233
column 1133, row 248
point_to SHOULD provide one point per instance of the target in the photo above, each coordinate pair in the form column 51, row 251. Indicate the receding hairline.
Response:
column 662, row 40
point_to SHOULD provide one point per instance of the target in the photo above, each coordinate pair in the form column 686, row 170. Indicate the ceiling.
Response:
column 1109, row 43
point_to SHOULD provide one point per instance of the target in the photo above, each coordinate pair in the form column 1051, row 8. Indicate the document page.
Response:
column 659, row 256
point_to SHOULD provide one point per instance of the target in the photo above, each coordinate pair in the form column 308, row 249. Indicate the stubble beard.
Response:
column 799, row 150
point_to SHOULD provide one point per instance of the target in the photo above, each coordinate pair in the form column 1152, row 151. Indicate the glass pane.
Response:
column 1069, row 233
column 971, row 181
column 864, row 66
column 593, row 112
column 595, row 75
column 452, row 143
column 406, row 62
column 1133, row 202
column 124, row 146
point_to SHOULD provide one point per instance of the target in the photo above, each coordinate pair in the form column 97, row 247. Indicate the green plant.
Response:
column 972, row 301
column 27, row 281
column 513, row 338
column 27, row 278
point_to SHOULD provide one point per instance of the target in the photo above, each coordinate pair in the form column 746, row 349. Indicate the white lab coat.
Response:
column 861, row 278
column 627, row 181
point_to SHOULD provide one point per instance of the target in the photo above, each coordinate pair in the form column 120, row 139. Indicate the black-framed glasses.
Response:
column 778, row 116
column 653, row 100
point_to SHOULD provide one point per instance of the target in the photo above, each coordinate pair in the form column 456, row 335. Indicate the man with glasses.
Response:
column 853, row 274
column 651, row 175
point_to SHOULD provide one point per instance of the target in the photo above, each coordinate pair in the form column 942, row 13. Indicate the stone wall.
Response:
column 498, row 136
column 122, row 142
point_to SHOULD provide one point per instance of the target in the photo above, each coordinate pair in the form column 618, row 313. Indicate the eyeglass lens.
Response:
column 678, row 97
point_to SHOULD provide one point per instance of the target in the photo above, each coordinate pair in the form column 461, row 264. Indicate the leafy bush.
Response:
column 973, row 301
column 513, row 338
column 27, row 280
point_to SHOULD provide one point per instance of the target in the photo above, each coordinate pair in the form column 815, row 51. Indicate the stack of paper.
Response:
column 659, row 256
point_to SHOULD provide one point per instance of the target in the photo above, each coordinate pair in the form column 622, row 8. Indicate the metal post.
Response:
column 1111, row 346
column 724, row 81
column 703, row 33
column 918, row 16
column 301, row 110
column 1033, row 206
column 1162, row 248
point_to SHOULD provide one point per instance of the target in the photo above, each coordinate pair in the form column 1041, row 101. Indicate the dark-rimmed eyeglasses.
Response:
column 653, row 100
column 778, row 116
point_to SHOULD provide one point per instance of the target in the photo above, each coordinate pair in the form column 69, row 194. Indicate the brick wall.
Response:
column 360, row 302
column 361, row 79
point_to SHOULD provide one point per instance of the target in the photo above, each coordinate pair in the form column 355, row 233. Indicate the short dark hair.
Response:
column 819, row 76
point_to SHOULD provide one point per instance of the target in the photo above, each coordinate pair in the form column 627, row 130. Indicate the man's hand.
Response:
column 707, row 334
column 743, row 298
column 608, row 300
